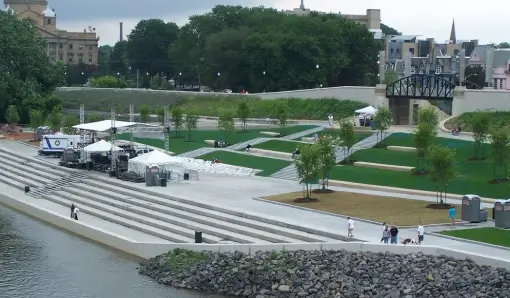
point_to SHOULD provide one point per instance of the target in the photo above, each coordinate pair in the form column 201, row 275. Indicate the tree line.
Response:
column 255, row 49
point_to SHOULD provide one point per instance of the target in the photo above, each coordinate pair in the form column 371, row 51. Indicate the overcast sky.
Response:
column 432, row 18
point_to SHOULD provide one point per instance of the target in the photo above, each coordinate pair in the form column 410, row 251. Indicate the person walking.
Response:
column 350, row 227
column 452, row 212
column 421, row 233
column 330, row 120
column 384, row 228
column 393, row 234
column 385, row 235
column 72, row 210
column 76, row 212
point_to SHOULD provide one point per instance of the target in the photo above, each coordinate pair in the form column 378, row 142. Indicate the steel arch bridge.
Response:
column 423, row 86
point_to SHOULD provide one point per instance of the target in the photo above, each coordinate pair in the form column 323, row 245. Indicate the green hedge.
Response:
column 205, row 105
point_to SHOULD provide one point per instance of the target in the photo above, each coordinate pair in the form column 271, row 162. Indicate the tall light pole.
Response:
column 82, row 78
column 264, row 82
column 317, row 67
column 118, row 79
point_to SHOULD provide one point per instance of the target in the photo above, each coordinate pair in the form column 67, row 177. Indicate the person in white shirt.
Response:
column 76, row 212
column 330, row 120
column 350, row 227
column 421, row 233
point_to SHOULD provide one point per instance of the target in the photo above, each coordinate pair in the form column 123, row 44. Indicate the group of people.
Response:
column 390, row 233
column 456, row 131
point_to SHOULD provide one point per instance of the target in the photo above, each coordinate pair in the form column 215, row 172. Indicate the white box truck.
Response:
column 55, row 144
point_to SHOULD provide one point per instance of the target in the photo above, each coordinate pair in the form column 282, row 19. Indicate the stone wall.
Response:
column 470, row 100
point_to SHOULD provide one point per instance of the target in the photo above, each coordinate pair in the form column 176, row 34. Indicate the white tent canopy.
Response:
column 154, row 158
column 101, row 146
column 370, row 111
column 104, row 125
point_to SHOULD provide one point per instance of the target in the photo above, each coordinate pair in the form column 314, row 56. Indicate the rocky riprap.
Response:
column 324, row 274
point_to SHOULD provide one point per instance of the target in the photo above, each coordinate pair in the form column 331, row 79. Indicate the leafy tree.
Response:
column 118, row 61
column 500, row 143
column 11, row 115
column 104, row 53
column 326, row 159
column 160, row 113
column 190, row 121
column 282, row 113
column 424, row 137
column 503, row 45
column 145, row 113
column 36, row 120
column 107, row 82
column 442, row 169
column 94, row 118
column 27, row 78
column 474, row 77
column 55, row 118
column 226, row 122
column 307, row 166
column 387, row 30
column 428, row 115
column 177, row 119
column 347, row 137
column 480, row 123
column 243, row 112
column 69, row 122
column 383, row 119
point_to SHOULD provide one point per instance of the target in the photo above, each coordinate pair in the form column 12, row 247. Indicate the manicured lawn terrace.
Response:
column 487, row 235
column 181, row 145
column 360, row 135
column 268, row 166
column 473, row 176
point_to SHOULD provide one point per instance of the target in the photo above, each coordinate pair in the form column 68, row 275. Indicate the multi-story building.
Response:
column 495, row 62
column 68, row 47
column 372, row 18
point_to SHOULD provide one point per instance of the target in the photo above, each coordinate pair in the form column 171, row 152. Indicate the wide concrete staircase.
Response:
column 197, row 152
column 243, row 145
column 139, row 208
column 299, row 135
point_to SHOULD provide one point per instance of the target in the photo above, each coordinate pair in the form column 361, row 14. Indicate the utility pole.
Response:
column 82, row 132
column 137, row 78
column 113, row 132
column 131, row 119
column 166, row 130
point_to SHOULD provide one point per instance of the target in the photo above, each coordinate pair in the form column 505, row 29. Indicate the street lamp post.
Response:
column 264, row 82
column 317, row 67
column 118, row 79
column 82, row 78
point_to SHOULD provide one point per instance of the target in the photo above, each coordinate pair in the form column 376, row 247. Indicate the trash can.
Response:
column 162, row 182
column 27, row 188
column 372, row 124
column 198, row 237
column 470, row 211
column 186, row 176
column 499, row 216
column 216, row 144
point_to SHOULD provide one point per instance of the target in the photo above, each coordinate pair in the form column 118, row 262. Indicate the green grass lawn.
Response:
column 473, row 176
column 279, row 145
column 181, row 145
column 268, row 166
column 487, row 235
column 360, row 135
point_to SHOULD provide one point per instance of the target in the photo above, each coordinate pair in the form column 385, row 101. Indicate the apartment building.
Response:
column 66, row 46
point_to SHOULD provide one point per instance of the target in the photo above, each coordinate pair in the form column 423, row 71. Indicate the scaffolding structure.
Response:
column 113, row 132
column 166, row 129
column 82, row 132
column 132, row 119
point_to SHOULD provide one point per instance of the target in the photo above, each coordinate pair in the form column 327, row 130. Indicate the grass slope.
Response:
column 360, row 135
column 268, row 166
column 498, row 119
column 487, row 235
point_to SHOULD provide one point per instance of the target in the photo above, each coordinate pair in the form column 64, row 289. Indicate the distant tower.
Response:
column 453, row 36
column 121, row 33
column 302, row 6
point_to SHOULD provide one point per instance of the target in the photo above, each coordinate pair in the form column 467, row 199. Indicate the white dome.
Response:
column 49, row 13
column 8, row 9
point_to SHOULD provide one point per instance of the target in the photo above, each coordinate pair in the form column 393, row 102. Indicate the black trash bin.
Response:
column 186, row 176
column 198, row 237
column 216, row 144
column 162, row 182
column 27, row 188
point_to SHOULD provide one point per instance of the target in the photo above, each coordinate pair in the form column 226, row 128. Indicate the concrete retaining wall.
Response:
column 147, row 250
column 372, row 165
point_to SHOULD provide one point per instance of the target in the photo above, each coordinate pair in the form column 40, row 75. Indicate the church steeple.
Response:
column 453, row 36
column 302, row 6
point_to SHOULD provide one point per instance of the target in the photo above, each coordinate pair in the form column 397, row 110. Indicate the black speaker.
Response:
column 27, row 188
column 198, row 237
column 186, row 176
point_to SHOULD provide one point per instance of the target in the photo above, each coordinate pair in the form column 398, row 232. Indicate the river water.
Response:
column 39, row 260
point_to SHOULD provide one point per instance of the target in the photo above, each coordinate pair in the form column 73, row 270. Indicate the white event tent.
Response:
column 101, row 146
column 154, row 158
column 104, row 125
column 368, row 111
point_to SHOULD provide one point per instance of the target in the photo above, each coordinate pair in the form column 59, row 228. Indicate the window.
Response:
column 61, row 45
column 80, row 47
column 495, row 84
column 61, row 56
column 70, row 46
column 422, row 69
column 501, row 84
column 385, row 66
column 391, row 51
column 413, row 69
column 90, row 58
column 438, row 69
column 48, row 21
column 70, row 58
column 398, row 51
column 411, row 50
column 90, row 48
column 80, row 57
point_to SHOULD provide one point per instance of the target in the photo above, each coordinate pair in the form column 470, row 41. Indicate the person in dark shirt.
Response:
column 393, row 234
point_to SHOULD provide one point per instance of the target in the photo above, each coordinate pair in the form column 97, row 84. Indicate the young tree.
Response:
column 347, row 137
column 177, row 120
column 480, row 125
column 94, row 118
column 428, row 115
column 68, row 122
column 500, row 143
column 226, row 122
column 160, row 112
column 307, row 166
column 442, row 169
column 11, row 115
column 55, row 119
column 282, row 112
column 382, row 120
column 36, row 120
column 243, row 113
column 145, row 113
column 326, row 159
column 424, row 137
column 190, row 121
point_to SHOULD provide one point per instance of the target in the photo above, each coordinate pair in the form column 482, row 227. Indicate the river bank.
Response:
column 327, row 274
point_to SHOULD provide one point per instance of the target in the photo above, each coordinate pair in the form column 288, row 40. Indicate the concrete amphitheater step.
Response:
column 19, row 179
column 11, row 182
column 201, row 211
column 27, row 168
column 19, row 171
column 35, row 163
column 180, row 217
column 132, row 224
